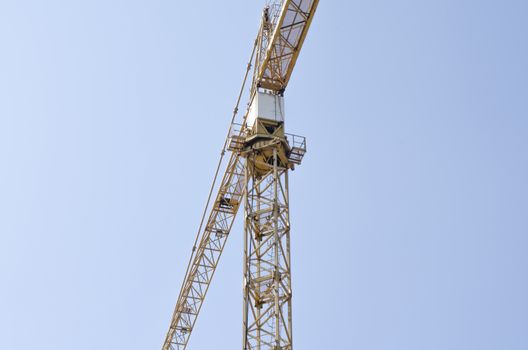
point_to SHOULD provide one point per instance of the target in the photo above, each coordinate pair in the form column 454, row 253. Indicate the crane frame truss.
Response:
column 267, row 309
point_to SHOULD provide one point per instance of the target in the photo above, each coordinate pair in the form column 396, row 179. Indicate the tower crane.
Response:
column 257, row 156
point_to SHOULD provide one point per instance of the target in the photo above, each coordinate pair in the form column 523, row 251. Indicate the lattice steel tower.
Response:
column 261, row 154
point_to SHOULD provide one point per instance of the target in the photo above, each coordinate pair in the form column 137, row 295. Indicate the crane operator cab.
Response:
column 266, row 116
column 265, row 128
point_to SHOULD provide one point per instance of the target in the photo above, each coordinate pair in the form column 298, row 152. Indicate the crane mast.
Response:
column 261, row 154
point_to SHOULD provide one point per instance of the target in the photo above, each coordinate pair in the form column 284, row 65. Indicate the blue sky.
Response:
column 409, row 213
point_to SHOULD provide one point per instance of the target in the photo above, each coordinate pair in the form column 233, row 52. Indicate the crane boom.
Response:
column 206, row 255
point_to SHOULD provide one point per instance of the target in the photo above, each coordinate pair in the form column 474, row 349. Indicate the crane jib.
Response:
column 285, row 44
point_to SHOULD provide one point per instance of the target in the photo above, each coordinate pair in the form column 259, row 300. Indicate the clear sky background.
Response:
column 409, row 213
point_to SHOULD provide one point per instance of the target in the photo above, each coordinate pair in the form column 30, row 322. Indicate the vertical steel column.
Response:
column 267, row 273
